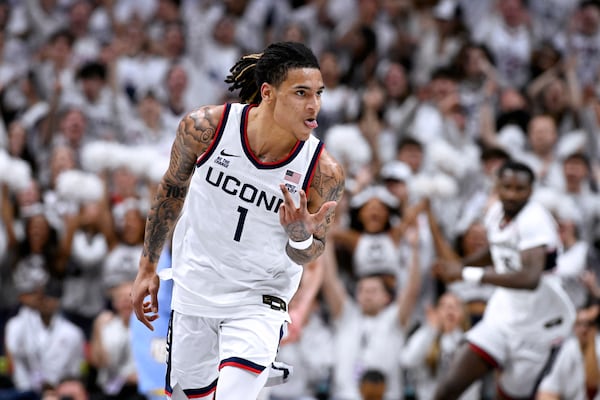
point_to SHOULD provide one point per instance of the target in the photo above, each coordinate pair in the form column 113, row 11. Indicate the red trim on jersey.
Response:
column 484, row 354
column 251, row 154
column 217, row 134
column 313, row 168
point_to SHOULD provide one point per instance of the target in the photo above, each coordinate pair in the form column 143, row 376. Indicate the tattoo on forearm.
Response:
column 176, row 191
column 303, row 257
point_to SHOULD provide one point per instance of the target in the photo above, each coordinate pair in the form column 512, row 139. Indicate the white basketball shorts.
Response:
column 522, row 358
column 198, row 347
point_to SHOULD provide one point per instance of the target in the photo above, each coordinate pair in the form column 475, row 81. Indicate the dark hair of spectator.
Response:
column 493, row 153
column 92, row 69
column 372, row 376
column 62, row 34
column 409, row 141
column 270, row 66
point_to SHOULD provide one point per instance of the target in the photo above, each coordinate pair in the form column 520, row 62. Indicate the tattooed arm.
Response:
column 316, row 212
column 194, row 134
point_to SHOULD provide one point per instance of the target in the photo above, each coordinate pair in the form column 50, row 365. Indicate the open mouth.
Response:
column 311, row 123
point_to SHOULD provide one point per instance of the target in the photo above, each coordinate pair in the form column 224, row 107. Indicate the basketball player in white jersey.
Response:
column 529, row 314
column 250, row 193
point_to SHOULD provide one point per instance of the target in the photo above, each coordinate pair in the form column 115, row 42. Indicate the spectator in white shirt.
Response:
column 41, row 344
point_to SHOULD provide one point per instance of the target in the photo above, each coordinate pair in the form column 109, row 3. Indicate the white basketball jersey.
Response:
column 547, row 304
column 228, row 245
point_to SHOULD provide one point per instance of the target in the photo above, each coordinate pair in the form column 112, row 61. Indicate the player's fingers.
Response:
column 138, row 309
column 287, row 197
column 303, row 201
column 325, row 209
column 282, row 215
column 154, row 295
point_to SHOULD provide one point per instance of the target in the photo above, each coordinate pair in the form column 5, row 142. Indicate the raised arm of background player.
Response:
column 194, row 135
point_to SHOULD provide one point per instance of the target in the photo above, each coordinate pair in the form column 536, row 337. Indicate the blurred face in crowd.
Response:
column 398, row 188
column 542, row 134
column 554, row 98
column 177, row 79
column 294, row 32
column 576, row 172
column 49, row 306
column 372, row 390
column 32, row 299
column 451, row 312
column 174, row 39
column 92, row 87
column 89, row 214
column 514, row 189
column 62, row 159
column 38, row 233
column 124, row 182
column 121, row 300
column 371, row 295
column 133, row 227
column 395, row 81
column 412, row 155
column 30, row 195
column 589, row 20
column 73, row 126
column 330, row 69
column 512, row 12
column 474, row 61
column 511, row 99
column 374, row 216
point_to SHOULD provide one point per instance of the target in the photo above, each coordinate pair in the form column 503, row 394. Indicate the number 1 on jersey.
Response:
column 240, row 225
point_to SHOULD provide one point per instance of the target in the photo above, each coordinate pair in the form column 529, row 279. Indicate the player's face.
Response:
column 298, row 101
column 514, row 189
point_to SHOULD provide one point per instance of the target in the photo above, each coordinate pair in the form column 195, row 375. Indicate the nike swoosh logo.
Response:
column 224, row 154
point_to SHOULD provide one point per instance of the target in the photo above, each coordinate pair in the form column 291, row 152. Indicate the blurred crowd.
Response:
column 424, row 100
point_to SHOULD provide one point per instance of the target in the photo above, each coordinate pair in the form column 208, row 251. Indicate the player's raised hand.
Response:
column 298, row 222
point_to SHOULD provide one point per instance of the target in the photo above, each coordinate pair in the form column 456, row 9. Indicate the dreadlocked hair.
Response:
column 270, row 66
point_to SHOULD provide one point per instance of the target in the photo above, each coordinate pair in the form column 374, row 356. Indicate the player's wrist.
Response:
column 303, row 244
column 472, row 274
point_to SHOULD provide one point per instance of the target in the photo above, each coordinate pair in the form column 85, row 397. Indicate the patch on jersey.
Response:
column 291, row 188
column 222, row 161
column 292, row 176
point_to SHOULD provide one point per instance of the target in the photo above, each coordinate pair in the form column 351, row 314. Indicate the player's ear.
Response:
column 267, row 92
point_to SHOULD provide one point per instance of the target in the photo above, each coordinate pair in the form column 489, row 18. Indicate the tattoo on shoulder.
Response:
column 195, row 133
column 329, row 182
